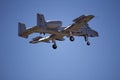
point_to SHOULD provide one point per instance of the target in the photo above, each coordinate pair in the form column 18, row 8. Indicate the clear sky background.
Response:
column 20, row 60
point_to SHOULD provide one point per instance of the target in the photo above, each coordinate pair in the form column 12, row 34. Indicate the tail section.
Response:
column 21, row 29
column 41, row 20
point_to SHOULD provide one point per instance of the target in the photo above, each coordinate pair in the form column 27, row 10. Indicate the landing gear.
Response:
column 88, row 43
column 42, row 33
column 72, row 38
column 86, row 40
column 54, row 46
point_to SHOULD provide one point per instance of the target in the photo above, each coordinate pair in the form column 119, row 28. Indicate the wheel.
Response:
column 88, row 43
column 54, row 46
column 72, row 38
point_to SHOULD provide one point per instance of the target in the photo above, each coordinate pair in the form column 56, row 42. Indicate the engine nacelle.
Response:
column 54, row 24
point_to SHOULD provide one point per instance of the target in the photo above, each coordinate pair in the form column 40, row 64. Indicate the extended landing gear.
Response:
column 54, row 46
column 42, row 33
column 86, row 40
column 88, row 43
column 72, row 38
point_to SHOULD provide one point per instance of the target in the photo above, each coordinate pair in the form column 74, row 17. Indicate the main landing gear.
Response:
column 72, row 38
column 86, row 40
column 54, row 46
column 88, row 43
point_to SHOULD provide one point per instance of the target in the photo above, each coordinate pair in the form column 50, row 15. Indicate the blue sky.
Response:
column 20, row 60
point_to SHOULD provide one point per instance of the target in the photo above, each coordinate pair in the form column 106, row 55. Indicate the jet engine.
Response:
column 54, row 24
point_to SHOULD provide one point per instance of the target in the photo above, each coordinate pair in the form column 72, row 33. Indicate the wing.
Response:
column 47, row 39
column 78, row 23
column 40, row 39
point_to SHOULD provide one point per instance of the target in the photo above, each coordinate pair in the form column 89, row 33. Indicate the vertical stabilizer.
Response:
column 41, row 20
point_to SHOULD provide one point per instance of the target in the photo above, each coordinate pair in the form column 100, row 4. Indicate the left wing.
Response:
column 47, row 39
column 40, row 39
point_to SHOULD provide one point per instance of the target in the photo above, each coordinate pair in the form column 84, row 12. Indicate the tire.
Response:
column 54, row 46
column 72, row 38
column 88, row 43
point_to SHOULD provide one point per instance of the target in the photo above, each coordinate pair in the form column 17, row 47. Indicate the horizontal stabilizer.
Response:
column 21, row 29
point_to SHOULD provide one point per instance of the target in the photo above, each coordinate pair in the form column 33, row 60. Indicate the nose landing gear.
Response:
column 86, row 40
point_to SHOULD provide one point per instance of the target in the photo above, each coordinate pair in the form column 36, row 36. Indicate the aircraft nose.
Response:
column 96, row 33
column 91, row 16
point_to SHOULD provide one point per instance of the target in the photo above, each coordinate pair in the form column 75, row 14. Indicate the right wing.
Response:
column 78, row 23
